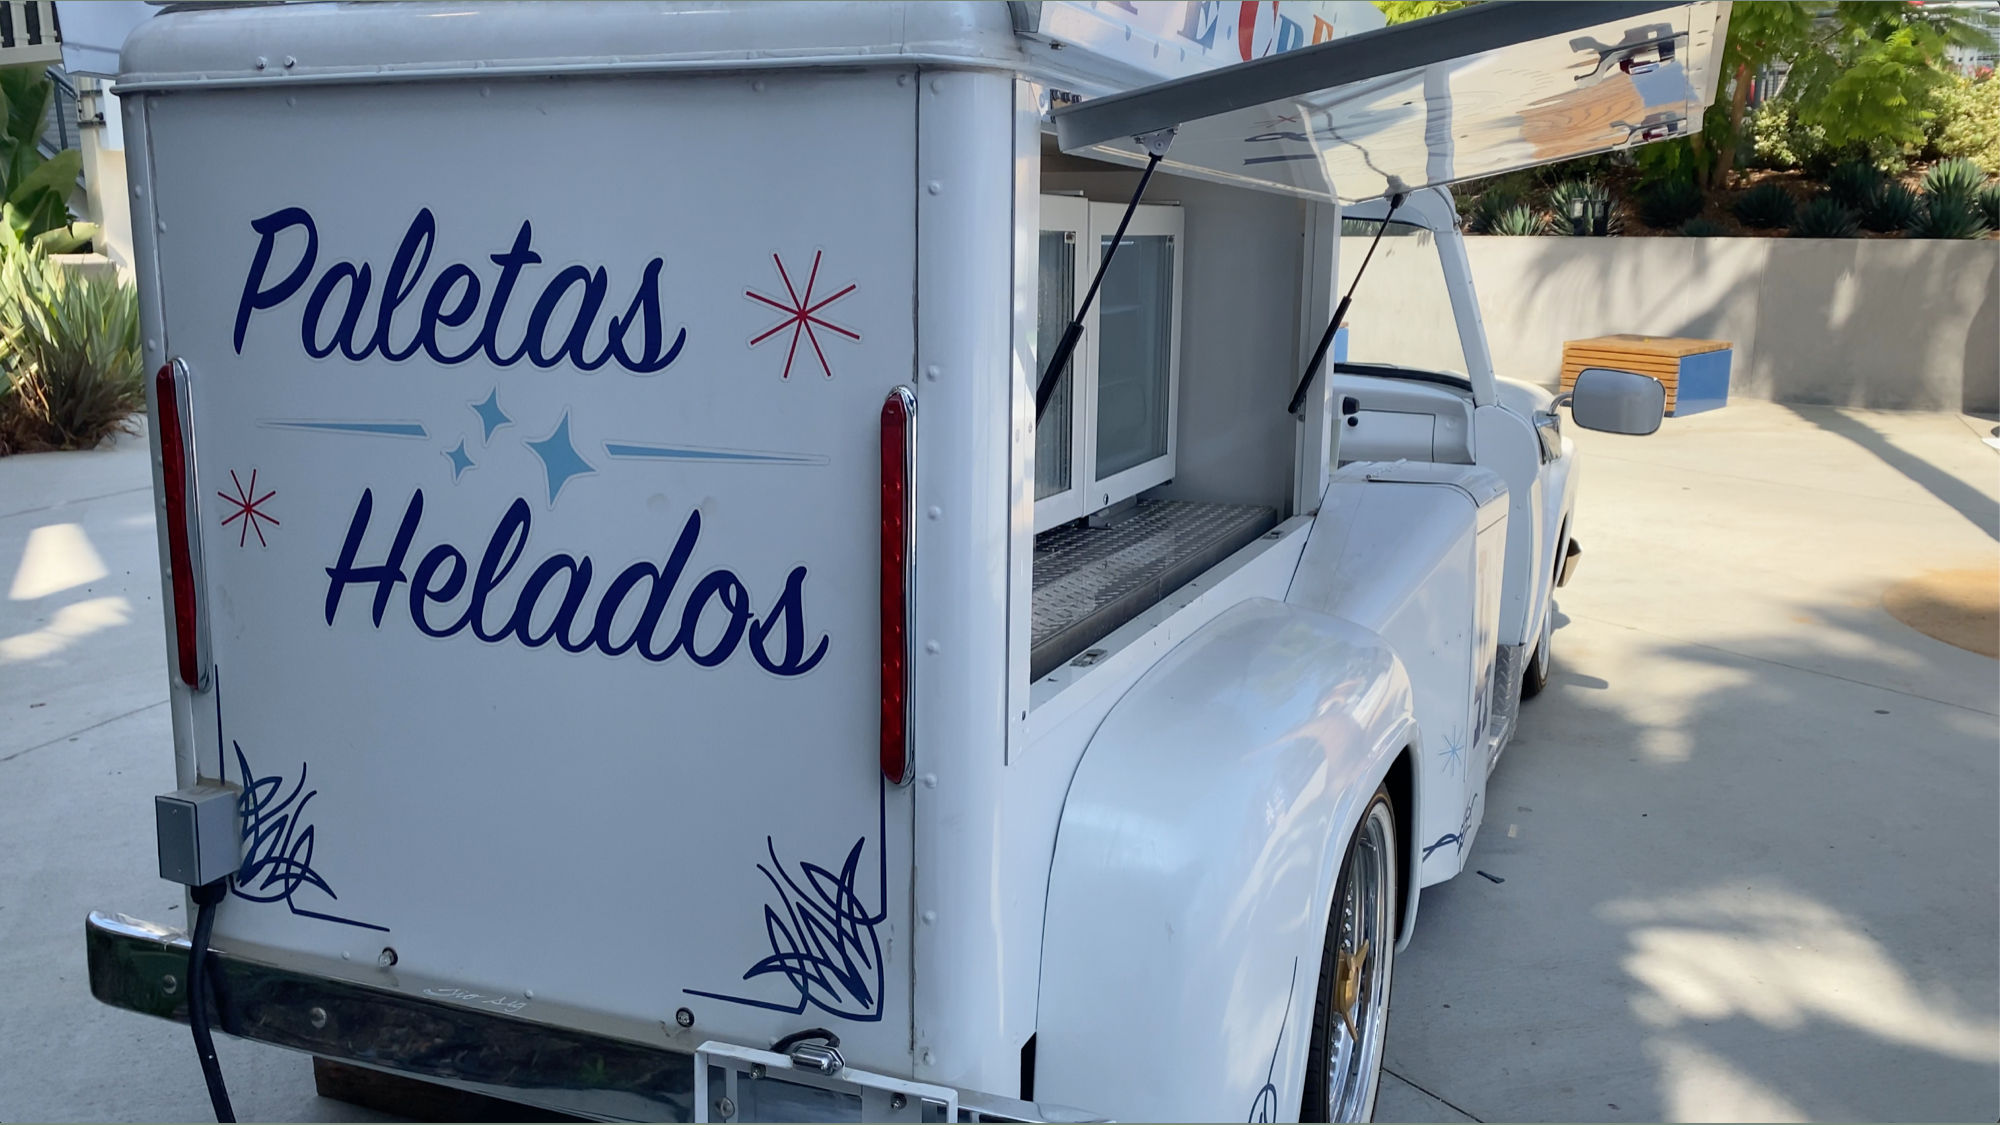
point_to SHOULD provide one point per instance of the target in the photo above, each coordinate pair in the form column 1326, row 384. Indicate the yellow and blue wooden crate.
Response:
column 1695, row 372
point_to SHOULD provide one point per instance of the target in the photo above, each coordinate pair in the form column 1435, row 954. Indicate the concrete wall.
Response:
column 1889, row 323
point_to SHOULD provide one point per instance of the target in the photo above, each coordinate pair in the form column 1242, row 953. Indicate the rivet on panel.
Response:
column 291, row 101
column 290, row 62
column 933, row 647
column 937, row 87
column 930, row 781
column 930, row 916
column 527, row 994
column 935, row 511
column 160, row 226
column 757, row 86
column 316, row 1017
column 931, row 372
column 928, row 1057
column 262, row 62
column 934, row 187
column 902, row 80
column 151, row 345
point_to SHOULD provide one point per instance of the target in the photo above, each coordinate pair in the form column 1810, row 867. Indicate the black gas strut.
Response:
column 1045, row 389
column 1340, row 312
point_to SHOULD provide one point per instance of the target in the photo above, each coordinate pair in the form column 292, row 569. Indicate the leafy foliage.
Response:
column 1892, row 207
column 1967, row 121
column 1701, row 228
column 35, row 190
column 1403, row 11
column 1958, row 179
column 1765, row 206
column 1824, row 217
column 1988, row 200
column 1520, row 219
column 1489, row 206
column 1780, row 141
column 1668, row 204
column 1949, row 216
column 69, row 346
column 1854, row 183
column 1572, row 202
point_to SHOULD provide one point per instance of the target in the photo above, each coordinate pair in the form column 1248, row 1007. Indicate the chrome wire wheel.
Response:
column 1344, row 1070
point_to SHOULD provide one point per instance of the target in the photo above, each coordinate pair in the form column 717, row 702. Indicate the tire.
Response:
column 1535, row 676
column 1343, row 1066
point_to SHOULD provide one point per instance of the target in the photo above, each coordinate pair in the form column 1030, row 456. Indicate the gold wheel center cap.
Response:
column 1347, row 984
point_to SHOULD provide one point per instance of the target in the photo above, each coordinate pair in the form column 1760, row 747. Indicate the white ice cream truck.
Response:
column 784, row 561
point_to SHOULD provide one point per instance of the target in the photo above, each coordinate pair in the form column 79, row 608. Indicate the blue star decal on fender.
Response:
column 459, row 461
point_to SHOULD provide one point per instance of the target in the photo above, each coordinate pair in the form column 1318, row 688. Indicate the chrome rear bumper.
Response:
column 143, row 967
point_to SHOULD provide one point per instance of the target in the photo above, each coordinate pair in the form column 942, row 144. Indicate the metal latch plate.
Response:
column 734, row 1084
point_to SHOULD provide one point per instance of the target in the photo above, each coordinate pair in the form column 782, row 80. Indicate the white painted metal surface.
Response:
column 1411, row 552
column 1198, row 844
column 628, row 524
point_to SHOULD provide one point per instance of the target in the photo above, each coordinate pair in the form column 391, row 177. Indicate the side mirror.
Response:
column 1617, row 402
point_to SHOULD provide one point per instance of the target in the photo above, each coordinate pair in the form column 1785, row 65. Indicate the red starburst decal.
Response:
column 248, row 508
column 801, row 315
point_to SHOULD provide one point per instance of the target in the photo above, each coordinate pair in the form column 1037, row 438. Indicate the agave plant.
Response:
column 1699, row 227
column 1487, row 209
column 69, row 344
column 1853, row 183
column 1958, row 178
column 1948, row 216
column 1765, row 206
column 1669, row 203
column 1988, row 200
column 1580, row 207
column 1892, row 207
column 1824, row 217
column 1520, row 219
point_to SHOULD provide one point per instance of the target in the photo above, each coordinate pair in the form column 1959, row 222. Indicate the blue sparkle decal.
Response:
column 823, row 940
column 1265, row 1105
column 639, row 450
column 459, row 461
column 369, row 429
column 560, row 458
column 491, row 417
column 1453, row 753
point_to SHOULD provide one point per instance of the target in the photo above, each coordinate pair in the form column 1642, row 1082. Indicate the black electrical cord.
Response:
column 206, row 899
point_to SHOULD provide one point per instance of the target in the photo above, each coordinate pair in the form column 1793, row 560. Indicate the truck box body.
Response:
column 552, row 577
column 597, row 461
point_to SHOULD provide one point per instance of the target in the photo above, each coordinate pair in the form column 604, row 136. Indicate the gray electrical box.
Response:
column 199, row 838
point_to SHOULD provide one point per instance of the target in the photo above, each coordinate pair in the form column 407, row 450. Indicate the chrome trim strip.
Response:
column 142, row 967
column 902, row 393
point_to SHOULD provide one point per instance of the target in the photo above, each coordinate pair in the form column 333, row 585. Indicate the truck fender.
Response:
column 1195, row 862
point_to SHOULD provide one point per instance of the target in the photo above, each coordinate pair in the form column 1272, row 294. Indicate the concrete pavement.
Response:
column 1748, row 837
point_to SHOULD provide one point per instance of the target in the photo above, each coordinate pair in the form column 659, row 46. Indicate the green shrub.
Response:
column 1824, row 217
column 1765, row 206
column 1779, row 141
column 1988, row 200
column 1520, row 219
column 1853, row 183
column 69, row 346
column 1670, row 203
column 1701, row 228
column 1967, row 122
column 1949, row 216
column 1583, row 195
column 1893, row 207
column 1957, row 178
column 1489, row 206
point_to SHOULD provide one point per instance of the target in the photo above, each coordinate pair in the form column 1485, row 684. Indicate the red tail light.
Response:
column 899, row 537
column 177, row 466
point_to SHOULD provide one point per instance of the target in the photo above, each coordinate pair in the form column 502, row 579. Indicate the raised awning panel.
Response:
column 1471, row 93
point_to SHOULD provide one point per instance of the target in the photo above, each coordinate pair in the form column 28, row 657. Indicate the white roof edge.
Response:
column 389, row 40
